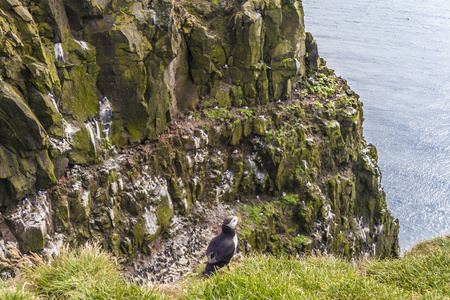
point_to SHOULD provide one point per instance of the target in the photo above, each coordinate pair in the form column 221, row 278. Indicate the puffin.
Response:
column 222, row 248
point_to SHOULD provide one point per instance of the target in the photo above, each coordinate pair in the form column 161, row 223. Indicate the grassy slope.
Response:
column 84, row 273
column 89, row 273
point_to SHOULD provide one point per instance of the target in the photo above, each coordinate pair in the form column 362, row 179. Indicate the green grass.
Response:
column 425, row 269
column 90, row 273
column 423, row 273
column 283, row 278
column 15, row 292
column 427, row 275
column 82, row 273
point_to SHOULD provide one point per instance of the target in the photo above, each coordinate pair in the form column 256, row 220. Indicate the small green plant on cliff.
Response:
column 194, row 115
column 124, row 10
column 292, row 108
column 273, row 134
column 217, row 113
column 290, row 199
column 300, row 240
column 330, row 105
column 322, row 87
column 284, row 137
column 258, row 212
column 254, row 215
column 345, row 102
column 246, row 113
column 318, row 104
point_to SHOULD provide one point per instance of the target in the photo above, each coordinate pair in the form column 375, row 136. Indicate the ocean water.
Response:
column 396, row 56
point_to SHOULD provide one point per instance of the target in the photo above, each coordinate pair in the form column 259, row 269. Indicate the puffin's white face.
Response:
column 232, row 221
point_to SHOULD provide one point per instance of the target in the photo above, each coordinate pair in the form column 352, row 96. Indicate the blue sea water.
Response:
column 396, row 56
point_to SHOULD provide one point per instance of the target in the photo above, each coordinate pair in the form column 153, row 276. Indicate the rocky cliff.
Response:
column 119, row 117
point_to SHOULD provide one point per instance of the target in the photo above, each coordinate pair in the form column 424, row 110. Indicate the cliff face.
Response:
column 118, row 115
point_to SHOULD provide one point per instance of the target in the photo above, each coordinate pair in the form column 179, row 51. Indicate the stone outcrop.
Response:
column 131, row 112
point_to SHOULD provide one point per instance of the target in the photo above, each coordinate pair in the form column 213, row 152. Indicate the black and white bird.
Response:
column 222, row 248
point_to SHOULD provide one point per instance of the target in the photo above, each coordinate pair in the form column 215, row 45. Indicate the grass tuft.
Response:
column 76, row 274
column 15, row 292
column 86, row 272
column 421, row 271
column 438, row 244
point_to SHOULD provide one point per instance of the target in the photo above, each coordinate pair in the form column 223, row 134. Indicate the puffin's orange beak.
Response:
column 240, row 220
